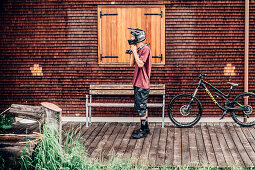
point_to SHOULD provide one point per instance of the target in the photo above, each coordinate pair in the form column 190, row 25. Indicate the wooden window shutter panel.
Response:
column 155, row 33
column 108, row 32
column 116, row 20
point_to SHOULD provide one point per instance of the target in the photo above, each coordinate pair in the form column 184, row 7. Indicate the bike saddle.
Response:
column 232, row 84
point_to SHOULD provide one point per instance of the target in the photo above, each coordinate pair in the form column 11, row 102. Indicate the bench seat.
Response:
column 122, row 104
column 118, row 90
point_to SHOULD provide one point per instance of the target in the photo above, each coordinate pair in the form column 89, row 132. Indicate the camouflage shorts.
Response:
column 141, row 98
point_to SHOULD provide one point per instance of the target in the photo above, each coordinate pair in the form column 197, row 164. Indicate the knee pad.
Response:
column 142, row 113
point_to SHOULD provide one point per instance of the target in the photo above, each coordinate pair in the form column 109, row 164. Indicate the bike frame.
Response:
column 226, row 107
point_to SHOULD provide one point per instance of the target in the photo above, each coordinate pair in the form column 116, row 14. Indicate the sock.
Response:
column 144, row 124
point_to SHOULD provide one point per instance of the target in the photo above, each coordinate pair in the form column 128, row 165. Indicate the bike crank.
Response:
column 247, row 110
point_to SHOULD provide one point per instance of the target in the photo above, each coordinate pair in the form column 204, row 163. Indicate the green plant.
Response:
column 75, row 155
column 26, row 159
column 2, row 162
column 50, row 154
column 6, row 122
column 8, row 164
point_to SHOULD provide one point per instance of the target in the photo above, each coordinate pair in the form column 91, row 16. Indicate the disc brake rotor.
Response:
column 248, row 110
column 184, row 111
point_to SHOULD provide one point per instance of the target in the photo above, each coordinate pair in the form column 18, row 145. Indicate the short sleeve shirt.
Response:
column 142, row 75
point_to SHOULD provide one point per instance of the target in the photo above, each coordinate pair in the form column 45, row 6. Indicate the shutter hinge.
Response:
column 101, row 57
column 105, row 14
column 161, row 57
column 161, row 14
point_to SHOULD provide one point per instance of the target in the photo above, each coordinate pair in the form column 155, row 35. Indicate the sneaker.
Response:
column 137, row 130
column 140, row 134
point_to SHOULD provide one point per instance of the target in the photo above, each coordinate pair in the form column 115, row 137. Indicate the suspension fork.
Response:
column 194, row 94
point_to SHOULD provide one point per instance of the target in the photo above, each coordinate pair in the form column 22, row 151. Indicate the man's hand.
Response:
column 136, row 56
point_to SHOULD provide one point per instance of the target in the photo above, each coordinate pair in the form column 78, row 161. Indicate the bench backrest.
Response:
column 123, row 89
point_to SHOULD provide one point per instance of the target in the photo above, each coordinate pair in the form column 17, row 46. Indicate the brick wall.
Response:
column 49, row 52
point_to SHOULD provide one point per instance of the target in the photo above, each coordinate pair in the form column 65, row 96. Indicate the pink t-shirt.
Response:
column 142, row 75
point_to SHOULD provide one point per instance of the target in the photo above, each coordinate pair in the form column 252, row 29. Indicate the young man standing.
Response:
column 141, row 58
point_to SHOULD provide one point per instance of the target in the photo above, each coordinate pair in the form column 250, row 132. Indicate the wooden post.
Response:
column 87, row 111
column 53, row 117
column 90, row 101
column 163, row 111
column 246, row 52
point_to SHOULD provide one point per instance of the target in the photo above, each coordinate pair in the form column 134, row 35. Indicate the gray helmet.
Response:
column 139, row 36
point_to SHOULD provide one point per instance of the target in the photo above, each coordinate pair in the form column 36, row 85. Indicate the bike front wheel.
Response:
column 183, row 111
column 245, row 115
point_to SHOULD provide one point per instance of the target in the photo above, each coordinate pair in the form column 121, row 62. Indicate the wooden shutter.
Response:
column 108, row 31
column 155, row 33
column 113, row 25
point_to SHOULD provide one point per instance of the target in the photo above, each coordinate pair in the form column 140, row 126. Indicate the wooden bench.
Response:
column 121, row 89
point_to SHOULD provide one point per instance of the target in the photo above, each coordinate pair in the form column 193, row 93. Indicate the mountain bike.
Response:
column 185, row 110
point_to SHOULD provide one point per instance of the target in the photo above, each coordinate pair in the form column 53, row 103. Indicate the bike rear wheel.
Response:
column 244, row 117
column 178, row 113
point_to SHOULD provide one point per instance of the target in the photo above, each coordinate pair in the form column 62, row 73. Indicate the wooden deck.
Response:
column 213, row 144
column 206, row 144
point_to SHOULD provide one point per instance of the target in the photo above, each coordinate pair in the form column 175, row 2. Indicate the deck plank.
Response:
column 208, row 145
column 106, row 149
column 193, row 148
column 245, row 143
column 154, row 146
column 146, row 146
column 216, row 146
column 98, row 151
column 203, row 158
column 125, row 141
column 250, row 136
column 162, row 148
column 223, row 144
column 137, row 150
column 185, row 147
column 82, row 129
column 67, row 129
column 91, row 134
column 252, row 130
column 131, row 143
column 231, row 144
column 116, row 145
column 96, row 136
column 247, row 161
column 86, row 135
column 170, row 146
column 177, row 147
